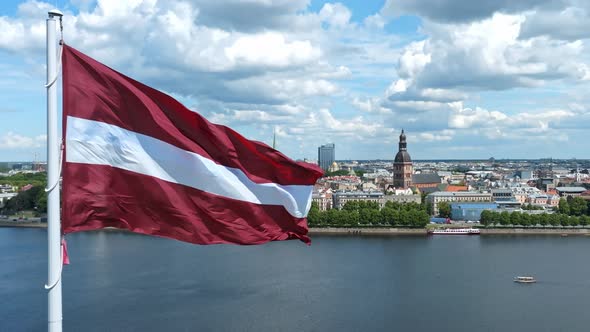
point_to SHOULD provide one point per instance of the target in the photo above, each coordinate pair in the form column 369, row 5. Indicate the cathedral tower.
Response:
column 402, row 165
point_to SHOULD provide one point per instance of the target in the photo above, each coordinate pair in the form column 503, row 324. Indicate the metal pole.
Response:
column 54, row 313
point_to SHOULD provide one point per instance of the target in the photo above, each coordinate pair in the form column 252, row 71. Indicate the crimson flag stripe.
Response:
column 94, row 91
column 106, row 196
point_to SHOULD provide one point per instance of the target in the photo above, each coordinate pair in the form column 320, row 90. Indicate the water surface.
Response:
column 127, row 282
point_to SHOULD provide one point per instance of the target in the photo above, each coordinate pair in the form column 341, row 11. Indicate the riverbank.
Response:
column 365, row 231
column 422, row 231
column 535, row 231
column 23, row 224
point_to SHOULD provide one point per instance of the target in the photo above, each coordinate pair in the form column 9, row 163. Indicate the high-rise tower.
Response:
column 402, row 165
column 326, row 155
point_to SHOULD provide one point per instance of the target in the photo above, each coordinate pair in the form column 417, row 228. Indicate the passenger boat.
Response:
column 525, row 280
column 454, row 231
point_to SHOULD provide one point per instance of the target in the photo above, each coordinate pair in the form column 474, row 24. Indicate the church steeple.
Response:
column 402, row 165
column 402, row 141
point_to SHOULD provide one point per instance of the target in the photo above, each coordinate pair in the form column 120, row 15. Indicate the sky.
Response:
column 465, row 79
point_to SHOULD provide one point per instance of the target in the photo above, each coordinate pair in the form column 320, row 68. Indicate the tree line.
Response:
column 21, row 179
column 362, row 213
column 34, row 199
column 573, row 211
column 573, row 206
column 523, row 219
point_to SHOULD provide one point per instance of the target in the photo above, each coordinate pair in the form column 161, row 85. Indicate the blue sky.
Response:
column 508, row 79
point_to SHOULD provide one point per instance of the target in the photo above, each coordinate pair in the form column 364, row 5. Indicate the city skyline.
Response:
column 507, row 81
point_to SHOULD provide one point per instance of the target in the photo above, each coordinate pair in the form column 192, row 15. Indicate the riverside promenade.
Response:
column 377, row 231
column 422, row 231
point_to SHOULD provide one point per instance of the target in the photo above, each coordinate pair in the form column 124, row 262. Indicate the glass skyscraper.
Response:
column 326, row 155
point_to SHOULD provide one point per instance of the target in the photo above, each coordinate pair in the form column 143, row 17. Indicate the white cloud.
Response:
column 488, row 54
column 329, row 75
column 462, row 10
column 324, row 121
column 443, row 135
column 570, row 23
column 270, row 49
column 375, row 21
column 414, row 59
column 462, row 118
column 337, row 15
column 370, row 105
column 341, row 72
column 12, row 141
column 416, row 105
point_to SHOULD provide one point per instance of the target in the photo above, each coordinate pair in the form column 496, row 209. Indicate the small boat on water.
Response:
column 525, row 280
column 454, row 231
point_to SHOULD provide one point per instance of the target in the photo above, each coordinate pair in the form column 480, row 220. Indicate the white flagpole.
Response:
column 54, row 313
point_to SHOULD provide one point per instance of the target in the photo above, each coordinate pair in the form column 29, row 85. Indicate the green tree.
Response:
column 34, row 199
column 534, row 219
column 332, row 217
column 364, row 216
column 21, row 179
column 387, row 216
column 351, row 206
column 494, row 217
column 543, row 219
column 374, row 216
column 422, row 218
column 354, row 218
column 444, row 210
column 429, row 209
column 313, row 217
column 515, row 218
column 563, row 207
column 505, row 218
column 525, row 219
column 404, row 218
column 577, row 206
column 564, row 219
column 553, row 219
column 485, row 217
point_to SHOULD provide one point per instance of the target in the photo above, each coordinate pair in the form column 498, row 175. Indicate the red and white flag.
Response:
column 137, row 159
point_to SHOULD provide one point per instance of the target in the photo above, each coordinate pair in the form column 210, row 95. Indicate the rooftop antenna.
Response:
column 274, row 138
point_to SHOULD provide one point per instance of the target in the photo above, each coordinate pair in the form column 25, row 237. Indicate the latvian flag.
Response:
column 137, row 159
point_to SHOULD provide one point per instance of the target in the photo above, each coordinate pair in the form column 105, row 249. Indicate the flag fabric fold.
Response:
column 137, row 159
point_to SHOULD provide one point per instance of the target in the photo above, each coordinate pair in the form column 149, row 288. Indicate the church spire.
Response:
column 402, row 141
column 402, row 165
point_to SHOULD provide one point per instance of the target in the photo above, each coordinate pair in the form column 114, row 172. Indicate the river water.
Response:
column 127, row 282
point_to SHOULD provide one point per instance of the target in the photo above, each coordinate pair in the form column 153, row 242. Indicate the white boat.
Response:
column 454, row 231
column 525, row 279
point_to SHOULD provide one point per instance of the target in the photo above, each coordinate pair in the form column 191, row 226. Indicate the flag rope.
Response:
column 61, row 266
column 48, row 85
column 54, row 185
column 61, row 153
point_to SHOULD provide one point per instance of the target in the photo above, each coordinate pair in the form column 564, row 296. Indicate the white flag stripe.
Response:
column 99, row 143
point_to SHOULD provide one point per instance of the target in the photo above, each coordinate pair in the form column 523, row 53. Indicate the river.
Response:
column 126, row 282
